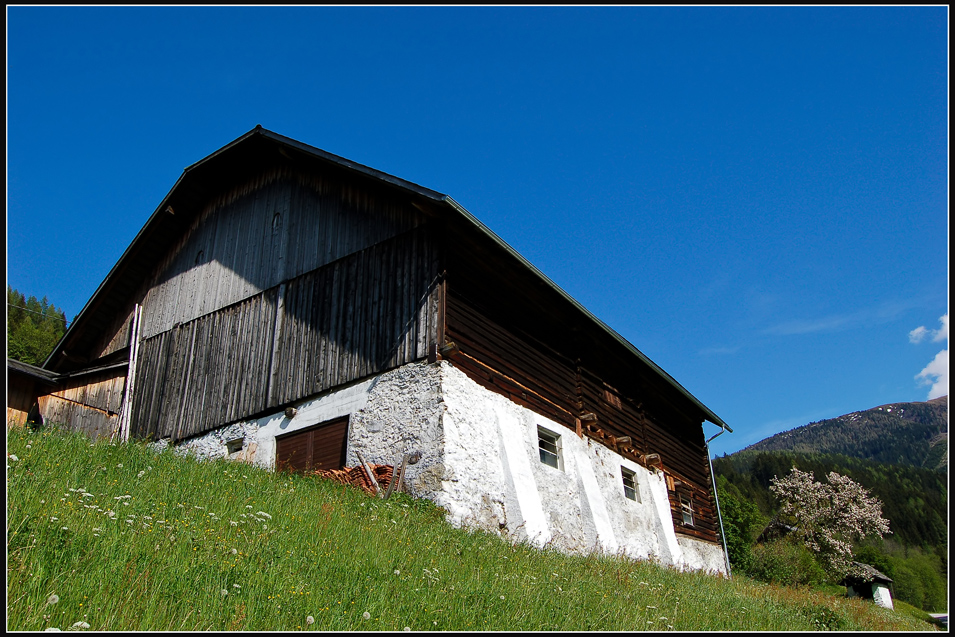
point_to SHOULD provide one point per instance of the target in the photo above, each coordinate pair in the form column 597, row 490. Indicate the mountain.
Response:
column 914, row 434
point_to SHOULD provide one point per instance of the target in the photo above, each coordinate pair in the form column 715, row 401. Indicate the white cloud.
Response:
column 920, row 333
column 941, row 334
column 936, row 375
column 936, row 372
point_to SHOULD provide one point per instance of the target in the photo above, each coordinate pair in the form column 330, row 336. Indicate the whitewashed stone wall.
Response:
column 480, row 461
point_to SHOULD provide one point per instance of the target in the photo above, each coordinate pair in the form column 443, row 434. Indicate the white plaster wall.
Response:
column 702, row 556
column 499, row 483
column 480, row 461
column 882, row 596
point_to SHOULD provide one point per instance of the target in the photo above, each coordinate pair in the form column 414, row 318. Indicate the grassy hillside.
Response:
column 120, row 538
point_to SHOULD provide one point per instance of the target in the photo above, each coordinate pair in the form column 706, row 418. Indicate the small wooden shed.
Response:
column 869, row 583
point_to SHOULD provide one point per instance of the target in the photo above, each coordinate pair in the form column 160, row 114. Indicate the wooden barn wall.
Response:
column 116, row 336
column 90, row 403
column 510, row 365
column 359, row 315
column 21, row 394
column 558, row 387
column 262, row 233
column 372, row 311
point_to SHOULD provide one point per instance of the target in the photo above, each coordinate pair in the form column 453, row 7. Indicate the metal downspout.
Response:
column 716, row 497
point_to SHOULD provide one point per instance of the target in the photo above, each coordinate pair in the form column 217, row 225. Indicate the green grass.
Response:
column 129, row 539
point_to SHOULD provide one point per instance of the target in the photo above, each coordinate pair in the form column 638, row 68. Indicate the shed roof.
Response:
column 32, row 371
column 866, row 574
column 261, row 148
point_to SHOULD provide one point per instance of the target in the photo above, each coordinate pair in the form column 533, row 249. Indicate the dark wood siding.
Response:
column 360, row 315
column 320, row 447
column 511, row 365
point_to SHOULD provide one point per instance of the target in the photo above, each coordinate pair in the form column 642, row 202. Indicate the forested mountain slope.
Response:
column 914, row 434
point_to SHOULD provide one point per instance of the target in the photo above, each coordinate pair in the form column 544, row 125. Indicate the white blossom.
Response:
column 829, row 517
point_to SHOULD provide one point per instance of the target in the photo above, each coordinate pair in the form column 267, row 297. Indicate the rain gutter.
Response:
column 716, row 498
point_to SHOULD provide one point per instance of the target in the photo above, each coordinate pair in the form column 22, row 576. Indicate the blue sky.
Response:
column 756, row 198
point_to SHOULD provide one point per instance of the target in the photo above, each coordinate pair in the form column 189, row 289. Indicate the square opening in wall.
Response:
column 629, row 484
column 234, row 445
column 549, row 444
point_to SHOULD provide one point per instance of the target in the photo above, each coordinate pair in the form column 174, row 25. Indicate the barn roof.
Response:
column 261, row 148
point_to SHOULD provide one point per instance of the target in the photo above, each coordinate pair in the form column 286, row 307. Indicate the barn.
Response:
column 289, row 308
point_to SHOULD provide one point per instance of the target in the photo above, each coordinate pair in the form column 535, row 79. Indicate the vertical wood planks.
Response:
column 319, row 330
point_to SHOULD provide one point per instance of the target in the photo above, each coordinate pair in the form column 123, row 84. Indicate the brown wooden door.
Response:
column 319, row 447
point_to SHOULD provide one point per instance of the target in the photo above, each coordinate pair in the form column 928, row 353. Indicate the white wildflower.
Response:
column 53, row 599
column 14, row 458
column 264, row 514
column 119, row 466
column 223, row 592
column 397, row 572
column 51, row 629
column 366, row 615
column 81, row 625
column 309, row 620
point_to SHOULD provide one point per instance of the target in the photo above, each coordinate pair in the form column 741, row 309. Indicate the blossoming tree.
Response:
column 830, row 516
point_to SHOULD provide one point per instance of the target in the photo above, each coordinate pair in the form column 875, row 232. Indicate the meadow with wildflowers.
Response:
column 105, row 536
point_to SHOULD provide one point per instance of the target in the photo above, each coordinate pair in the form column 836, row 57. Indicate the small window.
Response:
column 686, row 506
column 549, row 444
column 629, row 484
column 235, row 445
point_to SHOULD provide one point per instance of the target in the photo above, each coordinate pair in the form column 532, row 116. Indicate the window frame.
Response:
column 553, row 439
column 686, row 509
column 630, row 488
